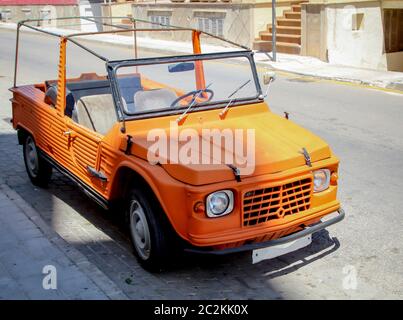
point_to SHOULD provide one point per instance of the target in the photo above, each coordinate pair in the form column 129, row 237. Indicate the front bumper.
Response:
column 297, row 235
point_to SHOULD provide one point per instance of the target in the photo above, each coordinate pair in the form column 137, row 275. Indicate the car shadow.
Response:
column 322, row 245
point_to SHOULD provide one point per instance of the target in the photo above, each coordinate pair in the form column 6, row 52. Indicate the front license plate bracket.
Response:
column 275, row 251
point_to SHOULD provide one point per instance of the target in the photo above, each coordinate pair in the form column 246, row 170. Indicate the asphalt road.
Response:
column 361, row 257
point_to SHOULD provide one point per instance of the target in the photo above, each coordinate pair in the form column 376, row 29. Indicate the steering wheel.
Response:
column 193, row 94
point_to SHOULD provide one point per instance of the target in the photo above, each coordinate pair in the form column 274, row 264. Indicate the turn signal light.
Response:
column 333, row 178
column 199, row 207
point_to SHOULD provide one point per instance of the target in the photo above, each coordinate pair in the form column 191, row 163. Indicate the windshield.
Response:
column 179, row 86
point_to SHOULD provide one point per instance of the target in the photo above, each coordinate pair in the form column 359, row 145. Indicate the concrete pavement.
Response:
column 30, row 252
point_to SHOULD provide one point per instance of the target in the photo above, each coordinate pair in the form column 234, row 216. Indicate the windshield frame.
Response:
column 113, row 66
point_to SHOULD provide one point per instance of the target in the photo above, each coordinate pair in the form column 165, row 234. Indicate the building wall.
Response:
column 118, row 9
column 15, row 13
column 237, row 19
column 362, row 47
column 37, row 2
column 313, row 31
column 90, row 8
column 243, row 19
column 330, row 33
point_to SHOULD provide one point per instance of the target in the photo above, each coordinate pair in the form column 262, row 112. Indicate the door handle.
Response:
column 97, row 174
column 69, row 134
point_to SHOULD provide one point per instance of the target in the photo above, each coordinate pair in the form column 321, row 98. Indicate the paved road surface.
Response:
column 364, row 128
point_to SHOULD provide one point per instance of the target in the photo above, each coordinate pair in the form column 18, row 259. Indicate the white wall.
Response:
column 361, row 48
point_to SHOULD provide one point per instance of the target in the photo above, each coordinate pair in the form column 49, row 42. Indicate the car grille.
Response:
column 262, row 205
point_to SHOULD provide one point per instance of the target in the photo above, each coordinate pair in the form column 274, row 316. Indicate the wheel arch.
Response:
column 22, row 133
column 129, row 175
column 133, row 176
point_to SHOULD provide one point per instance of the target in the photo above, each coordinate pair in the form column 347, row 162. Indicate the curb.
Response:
column 392, row 86
column 106, row 285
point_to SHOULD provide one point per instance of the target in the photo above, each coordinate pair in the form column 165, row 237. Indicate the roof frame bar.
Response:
column 120, row 29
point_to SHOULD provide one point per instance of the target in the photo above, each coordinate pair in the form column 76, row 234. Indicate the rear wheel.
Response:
column 151, row 237
column 39, row 171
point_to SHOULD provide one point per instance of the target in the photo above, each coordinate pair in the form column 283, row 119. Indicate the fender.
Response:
column 20, row 129
column 141, row 168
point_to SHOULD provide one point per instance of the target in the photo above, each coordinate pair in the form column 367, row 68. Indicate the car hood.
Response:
column 278, row 145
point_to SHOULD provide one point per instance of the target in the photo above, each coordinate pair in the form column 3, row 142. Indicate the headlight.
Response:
column 219, row 203
column 321, row 180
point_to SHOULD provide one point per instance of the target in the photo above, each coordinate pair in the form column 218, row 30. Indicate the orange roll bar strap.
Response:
column 61, row 82
column 200, row 81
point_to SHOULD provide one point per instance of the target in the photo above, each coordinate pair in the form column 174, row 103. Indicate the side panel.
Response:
column 84, row 146
column 42, row 121
column 108, row 162
column 69, row 144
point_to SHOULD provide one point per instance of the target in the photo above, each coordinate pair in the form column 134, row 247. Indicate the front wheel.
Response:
column 150, row 234
column 39, row 171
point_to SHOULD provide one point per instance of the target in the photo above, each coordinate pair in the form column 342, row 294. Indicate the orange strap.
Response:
column 200, row 81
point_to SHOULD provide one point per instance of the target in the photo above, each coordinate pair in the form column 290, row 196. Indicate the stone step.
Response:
column 289, row 22
column 286, row 30
column 286, row 38
column 291, row 48
column 296, row 8
column 261, row 45
column 292, row 15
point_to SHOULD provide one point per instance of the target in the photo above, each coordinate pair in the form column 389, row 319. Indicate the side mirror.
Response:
column 181, row 67
column 268, row 77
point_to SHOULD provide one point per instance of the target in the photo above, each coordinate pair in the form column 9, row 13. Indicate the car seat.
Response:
column 153, row 99
column 96, row 112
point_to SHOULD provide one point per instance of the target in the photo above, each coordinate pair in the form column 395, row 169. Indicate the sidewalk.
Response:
column 313, row 67
column 27, row 245
column 295, row 64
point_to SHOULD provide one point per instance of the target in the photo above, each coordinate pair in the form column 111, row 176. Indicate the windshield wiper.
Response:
column 224, row 111
column 192, row 103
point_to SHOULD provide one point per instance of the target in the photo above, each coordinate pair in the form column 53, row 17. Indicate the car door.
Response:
column 84, row 146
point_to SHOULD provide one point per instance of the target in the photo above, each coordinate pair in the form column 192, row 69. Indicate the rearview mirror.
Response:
column 268, row 77
column 181, row 67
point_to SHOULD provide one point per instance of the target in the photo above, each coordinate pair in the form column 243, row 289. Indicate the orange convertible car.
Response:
column 185, row 145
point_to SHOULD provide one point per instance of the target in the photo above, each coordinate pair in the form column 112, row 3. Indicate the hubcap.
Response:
column 31, row 156
column 139, row 230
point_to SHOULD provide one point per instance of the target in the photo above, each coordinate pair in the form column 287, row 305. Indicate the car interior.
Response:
column 90, row 102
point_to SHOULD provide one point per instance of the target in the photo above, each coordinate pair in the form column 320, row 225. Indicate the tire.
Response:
column 38, row 169
column 151, row 236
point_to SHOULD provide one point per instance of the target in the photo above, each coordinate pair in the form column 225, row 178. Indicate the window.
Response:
column 211, row 25
column 88, row 12
column 6, row 15
column 210, row 22
column 160, row 19
column 357, row 20
column 45, row 14
column 393, row 30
